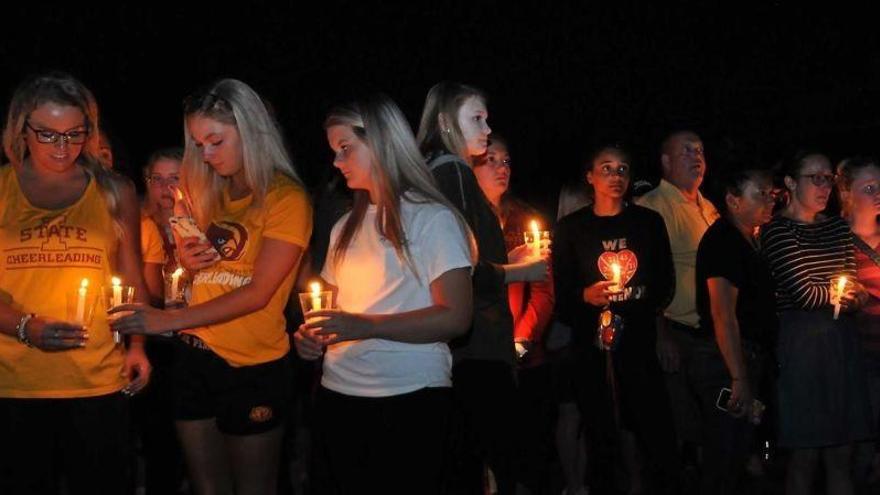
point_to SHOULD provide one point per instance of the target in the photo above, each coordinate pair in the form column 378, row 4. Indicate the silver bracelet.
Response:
column 21, row 329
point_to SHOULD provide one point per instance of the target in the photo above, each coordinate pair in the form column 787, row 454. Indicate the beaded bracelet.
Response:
column 21, row 329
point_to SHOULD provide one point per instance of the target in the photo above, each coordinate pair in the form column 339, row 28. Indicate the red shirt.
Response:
column 869, row 315
column 531, row 303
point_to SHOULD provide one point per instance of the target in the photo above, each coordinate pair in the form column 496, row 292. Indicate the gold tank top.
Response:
column 44, row 256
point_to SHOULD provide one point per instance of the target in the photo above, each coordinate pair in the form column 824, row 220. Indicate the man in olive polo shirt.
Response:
column 687, row 215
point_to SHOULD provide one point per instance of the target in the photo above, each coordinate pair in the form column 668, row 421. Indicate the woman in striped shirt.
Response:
column 823, row 406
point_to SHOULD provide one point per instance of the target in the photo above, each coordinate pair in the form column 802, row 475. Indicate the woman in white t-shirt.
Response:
column 400, row 265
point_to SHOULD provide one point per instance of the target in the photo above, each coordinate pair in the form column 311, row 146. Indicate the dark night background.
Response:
column 755, row 82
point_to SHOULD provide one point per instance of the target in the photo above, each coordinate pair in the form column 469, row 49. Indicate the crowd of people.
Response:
column 432, row 367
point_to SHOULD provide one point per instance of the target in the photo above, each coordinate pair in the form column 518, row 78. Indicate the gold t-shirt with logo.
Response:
column 152, row 249
column 237, row 233
column 45, row 256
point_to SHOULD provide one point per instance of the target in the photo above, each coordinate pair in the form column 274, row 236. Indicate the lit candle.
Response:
column 81, row 301
column 316, row 295
column 117, row 301
column 117, row 291
column 615, row 277
column 841, row 285
column 175, row 281
column 182, row 206
column 536, row 239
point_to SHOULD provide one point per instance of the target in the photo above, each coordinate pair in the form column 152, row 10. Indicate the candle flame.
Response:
column 534, row 226
column 177, row 272
column 84, row 283
column 315, row 288
column 116, row 281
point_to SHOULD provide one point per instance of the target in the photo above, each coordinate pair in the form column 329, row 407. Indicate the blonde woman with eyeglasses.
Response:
column 64, row 218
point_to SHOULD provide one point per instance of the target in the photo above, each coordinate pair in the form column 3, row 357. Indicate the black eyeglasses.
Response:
column 820, row 180
column 46, row 136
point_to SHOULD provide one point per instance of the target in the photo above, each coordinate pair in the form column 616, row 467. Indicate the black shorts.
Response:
column 244, row 401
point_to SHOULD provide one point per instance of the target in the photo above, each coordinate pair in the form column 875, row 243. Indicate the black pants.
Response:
column 388, row 445
column 83, row 441
column 535, row 426
column 483, row 430
column 642, row 408
column 726, row 440
column 646, row 412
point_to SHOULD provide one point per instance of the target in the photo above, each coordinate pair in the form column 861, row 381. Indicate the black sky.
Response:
column 756, row 82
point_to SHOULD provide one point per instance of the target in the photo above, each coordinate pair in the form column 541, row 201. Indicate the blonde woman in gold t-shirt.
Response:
column 232, row 375
column 64, row 217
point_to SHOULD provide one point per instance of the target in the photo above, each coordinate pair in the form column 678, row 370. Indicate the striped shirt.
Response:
column 805, row 258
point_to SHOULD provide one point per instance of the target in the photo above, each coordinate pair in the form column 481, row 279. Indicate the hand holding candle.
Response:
column 536, row 239
column 81, row 303
column 615, row 278
column 316, row 299
column 116, row 301
column 837, row 294
column 315, row 288
column 117, row 295
column 117, row 292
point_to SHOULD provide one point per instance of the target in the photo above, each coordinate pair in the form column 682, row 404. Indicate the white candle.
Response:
column 117, row 291
column 117, row 301
column 841, row 285
column 536, row 239
column 615, row 277
column 316, row 295
column 81, row 301
column 175, row 281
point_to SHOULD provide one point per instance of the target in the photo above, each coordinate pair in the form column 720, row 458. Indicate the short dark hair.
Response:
column 174, row 153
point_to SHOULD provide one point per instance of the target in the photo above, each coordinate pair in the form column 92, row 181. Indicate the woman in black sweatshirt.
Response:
column 615, row 256
column 452, row 131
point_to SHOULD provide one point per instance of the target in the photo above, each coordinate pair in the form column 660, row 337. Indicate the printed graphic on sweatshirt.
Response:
column 616, row 253
column 53, row 243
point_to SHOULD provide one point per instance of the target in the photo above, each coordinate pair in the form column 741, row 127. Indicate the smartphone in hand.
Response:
column 723, row 399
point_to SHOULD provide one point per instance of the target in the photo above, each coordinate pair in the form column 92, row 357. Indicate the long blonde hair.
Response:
column 398, row 171
column 443, row 102
column 263, row 152
column 63, row 89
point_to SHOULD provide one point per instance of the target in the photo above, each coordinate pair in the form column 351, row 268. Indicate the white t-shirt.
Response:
column 373, row 280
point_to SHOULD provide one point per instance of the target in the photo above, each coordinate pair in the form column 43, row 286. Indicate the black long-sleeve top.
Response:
column 491, row 334
column 584, row 247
